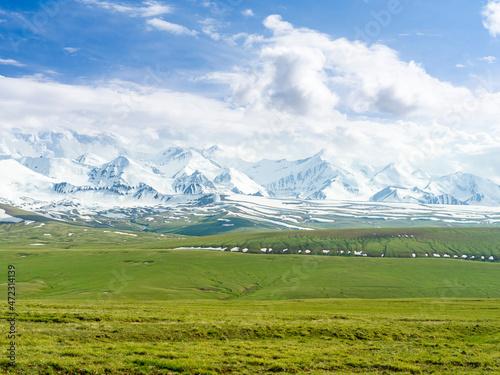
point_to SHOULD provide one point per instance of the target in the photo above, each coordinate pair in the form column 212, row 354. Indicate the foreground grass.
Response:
column 452, row 336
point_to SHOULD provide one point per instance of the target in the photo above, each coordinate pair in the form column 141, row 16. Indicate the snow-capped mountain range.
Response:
column 89, row 171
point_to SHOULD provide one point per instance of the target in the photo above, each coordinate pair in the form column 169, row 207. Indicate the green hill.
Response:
column 390, row 242
column 395, row 242
column 106, row 273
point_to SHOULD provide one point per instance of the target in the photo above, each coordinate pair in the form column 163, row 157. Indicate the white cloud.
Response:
column 288, row 77
column 153, row 8
column 71, row 49
column 314, row 91
column 172, row 28
column 304, row 72
column 290, row 80
column 488, row 59
column 148, row 8
column 248, row 13
column 122, row 108
column 491, row 17
column 214, row 29
column 460, row 66
column 276, row 23
column 10, row 62
column 211, row 27
column 374, row 79
column 151, row 118
column 51, row 72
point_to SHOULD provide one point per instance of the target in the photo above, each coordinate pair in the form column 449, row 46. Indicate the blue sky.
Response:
column 279, row 78
column 119, row 44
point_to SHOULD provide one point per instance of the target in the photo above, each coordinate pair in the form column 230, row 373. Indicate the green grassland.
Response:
column 431, row 336
column 125, row 273
column 108, row 301
column 93, row 263
column 390, row 242
column 393, row 242
column 55, row 234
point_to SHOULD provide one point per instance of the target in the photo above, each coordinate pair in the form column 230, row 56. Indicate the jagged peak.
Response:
column 316, row 176
column 390, row 166
column 212, row 149
column 320, row 154
column 173, row 152
column 91, row 159
column 121, row 160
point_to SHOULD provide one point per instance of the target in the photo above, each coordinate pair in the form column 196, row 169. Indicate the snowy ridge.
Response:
column 84, row 171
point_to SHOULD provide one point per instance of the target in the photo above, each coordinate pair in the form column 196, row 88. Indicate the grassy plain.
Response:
column 430, row 336
column 125, row 273
column 104, row 301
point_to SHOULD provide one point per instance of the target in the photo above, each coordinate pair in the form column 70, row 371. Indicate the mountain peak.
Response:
column 390, row 166
column 173, row 152
column 419, row 173
column 90, row 159
column 321, row 153
column 120, row 161
column 95, row 167
column 214, row 148
column 211, row 152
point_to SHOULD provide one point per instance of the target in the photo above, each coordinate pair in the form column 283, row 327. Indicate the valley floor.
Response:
column 342, row 336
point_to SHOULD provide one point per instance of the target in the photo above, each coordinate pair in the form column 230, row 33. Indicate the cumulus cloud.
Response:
column 305, row 72
column 374, row 79
column 169, row 27
column 148, row 8
column 288, row 78
column 315, row 90
column 491, row 17
column 10, row 62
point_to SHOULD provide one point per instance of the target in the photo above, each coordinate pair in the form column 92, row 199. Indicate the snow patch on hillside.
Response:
column 5, row 218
